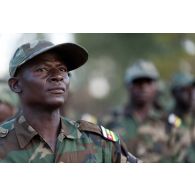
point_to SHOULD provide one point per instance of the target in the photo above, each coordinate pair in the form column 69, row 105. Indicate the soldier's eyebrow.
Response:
column 47, row 65
column 48, row 62
column 60, row 64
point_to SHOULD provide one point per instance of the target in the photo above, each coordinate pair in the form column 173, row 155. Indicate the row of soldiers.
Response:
column 150, row 132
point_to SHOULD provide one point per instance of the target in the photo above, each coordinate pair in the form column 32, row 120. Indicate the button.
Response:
column 3, row 132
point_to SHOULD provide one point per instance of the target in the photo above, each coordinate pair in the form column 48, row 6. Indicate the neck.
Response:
column 46, row 123
column 141, row 111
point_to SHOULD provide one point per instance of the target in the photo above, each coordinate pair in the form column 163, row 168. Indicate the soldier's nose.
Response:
column 56, row 76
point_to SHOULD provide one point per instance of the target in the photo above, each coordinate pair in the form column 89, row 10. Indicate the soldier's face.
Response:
column 184, row 96
column 44, row 81
column 142, row 90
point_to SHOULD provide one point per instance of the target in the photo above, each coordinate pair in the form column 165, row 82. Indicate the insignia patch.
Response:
column 108, row 134
column 174, row 120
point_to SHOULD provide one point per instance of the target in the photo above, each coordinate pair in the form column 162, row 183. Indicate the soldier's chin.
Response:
column 141, row 101
column 55, row 103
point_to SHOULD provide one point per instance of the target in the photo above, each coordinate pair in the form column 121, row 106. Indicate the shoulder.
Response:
column 6, row 126
column 109, row 135
column 85, row 126
column 101, row 133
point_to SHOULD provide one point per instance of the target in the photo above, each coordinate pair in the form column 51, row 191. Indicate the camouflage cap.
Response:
column 73, row 54
column 141, row 69
column 182, row 79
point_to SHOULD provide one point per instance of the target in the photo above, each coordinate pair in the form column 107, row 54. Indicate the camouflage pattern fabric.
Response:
column 77, row 142
column 190, row 153
column 146, row 140
column 181, row 134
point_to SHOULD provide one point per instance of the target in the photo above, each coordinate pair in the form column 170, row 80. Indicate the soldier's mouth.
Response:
column 57, row 90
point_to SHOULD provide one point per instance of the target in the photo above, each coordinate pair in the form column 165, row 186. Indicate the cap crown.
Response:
column 182, row 79
column 141, row 69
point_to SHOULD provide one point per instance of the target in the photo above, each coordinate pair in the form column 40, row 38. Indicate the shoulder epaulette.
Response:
column 5, row 127
column 90, row 127
column 87, row 126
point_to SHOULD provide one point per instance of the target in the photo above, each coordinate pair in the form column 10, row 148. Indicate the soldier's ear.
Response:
column 15, row 84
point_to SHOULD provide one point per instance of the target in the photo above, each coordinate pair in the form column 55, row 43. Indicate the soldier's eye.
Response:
column 41, row 70
column 63, row 69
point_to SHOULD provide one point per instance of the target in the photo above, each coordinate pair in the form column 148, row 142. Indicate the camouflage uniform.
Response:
column 77, row 142
column 146, row 139
column 180, row 129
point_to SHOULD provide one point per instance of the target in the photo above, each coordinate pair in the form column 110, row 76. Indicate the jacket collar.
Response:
column 25, row 133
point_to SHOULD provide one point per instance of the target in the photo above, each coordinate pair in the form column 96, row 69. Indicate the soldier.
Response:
column 180, row 122
column 139, row 123
column 8, row 102
column 39, row 75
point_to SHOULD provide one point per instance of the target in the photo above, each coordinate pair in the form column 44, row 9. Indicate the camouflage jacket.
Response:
column 181, row 140
column 77, row 142
column 146, row 139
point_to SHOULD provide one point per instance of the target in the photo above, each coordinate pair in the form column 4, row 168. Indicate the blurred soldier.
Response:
column 39, row 75
column 180, row 122
column 8, row 102
column 139, row 123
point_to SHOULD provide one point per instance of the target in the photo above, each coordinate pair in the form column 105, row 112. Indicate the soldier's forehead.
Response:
column 47, row 57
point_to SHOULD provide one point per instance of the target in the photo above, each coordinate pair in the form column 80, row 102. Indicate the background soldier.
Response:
column 139, row 123
column 180, row 122
column 39, row 75
column 8, row 102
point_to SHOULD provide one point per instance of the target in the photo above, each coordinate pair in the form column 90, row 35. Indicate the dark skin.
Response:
column 184, row 100
column 42, row 85
column 142, row 93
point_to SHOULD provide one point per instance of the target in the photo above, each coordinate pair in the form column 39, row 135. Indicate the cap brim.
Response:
column 181, row 85
column 144, row 76
column 72, row 54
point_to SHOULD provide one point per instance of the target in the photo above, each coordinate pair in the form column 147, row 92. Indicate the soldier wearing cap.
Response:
column 8, row 102
column 39, row 75
column 180, row 121
column 139, row 123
